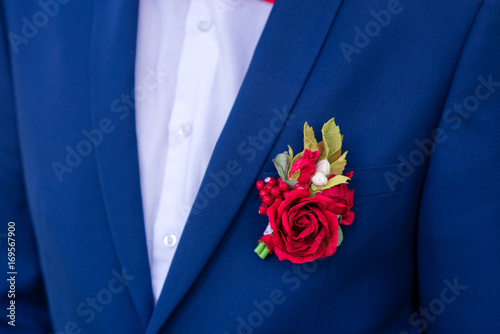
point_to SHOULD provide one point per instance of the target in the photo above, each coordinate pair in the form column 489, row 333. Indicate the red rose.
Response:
column 304, row 229
column 306, row 164
column 342, row 202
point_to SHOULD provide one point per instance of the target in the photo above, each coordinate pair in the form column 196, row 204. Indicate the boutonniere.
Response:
column 307, row 204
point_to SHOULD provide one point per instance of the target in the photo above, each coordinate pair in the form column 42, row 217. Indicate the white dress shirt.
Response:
column 192, row 57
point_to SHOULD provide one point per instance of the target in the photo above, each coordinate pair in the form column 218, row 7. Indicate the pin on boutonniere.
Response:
column 309, row 201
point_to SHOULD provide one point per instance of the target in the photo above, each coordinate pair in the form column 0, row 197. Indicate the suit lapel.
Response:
column 112, row 64
column 287, row 50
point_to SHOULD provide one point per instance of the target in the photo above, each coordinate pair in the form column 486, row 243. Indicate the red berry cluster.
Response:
column 269, row 190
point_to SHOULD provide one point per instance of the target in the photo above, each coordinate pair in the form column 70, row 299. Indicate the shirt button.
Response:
column 170, row 240
column 185, row 130
column 204, row 25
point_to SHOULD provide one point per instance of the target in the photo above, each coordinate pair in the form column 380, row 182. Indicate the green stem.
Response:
column 262, row 250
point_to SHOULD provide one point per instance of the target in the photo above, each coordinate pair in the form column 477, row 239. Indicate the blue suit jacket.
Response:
column 415, row 88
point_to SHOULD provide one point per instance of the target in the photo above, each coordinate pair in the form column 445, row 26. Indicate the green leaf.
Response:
column 334, row 156
column 337, row 167
column 310, row 142
column 297, row 157
column 331, row 139
column 341, row 234
column 295, row 176
column 290, row 158
column 334, row 181
column 281, row 164
column 291, row 183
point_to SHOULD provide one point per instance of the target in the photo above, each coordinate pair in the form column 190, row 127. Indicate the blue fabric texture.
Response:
column 415, row 89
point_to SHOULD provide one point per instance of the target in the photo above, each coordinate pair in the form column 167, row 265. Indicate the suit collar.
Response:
column 281, row 64
column 112, row 63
